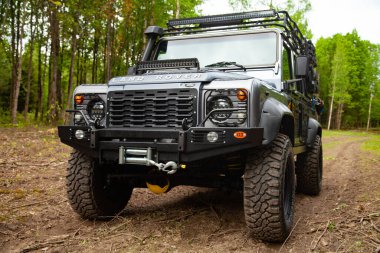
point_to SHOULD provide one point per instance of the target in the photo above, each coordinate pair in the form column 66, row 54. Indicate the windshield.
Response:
column 258, row 49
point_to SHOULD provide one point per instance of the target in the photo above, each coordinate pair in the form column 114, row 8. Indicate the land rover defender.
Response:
column 227, row 101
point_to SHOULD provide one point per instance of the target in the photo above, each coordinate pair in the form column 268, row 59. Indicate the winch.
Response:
column 144, row 157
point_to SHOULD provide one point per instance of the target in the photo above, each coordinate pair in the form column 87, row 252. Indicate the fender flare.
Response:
column 314, row 129
column 276, row 117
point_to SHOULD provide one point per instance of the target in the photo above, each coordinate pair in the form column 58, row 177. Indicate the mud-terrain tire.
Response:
column 89, row 193
column 269, row 190
column 309, row 169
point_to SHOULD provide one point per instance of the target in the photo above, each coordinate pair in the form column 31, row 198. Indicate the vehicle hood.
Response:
column 179, row 77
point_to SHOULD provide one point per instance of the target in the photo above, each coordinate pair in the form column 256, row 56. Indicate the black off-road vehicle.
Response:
column 217, row 101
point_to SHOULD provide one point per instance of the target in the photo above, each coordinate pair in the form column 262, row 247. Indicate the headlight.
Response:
column 219, row 99
column 96, row 109
column 220, row 102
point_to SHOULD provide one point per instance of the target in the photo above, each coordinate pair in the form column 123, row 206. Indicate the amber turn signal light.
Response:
column 242, row 94
column 240, row 135
column 78, row 99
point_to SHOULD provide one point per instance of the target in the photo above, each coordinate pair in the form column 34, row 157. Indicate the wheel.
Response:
column 309, row 168
column 269, row 190
column 88, row 191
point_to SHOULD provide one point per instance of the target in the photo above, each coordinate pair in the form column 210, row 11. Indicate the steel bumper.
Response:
column 168, row 144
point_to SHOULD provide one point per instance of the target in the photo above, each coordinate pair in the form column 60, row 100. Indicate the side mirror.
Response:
column 302, row 66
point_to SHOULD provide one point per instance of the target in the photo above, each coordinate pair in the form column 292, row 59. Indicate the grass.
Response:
column 338, row 133
column 331, row 226
column 372, row 145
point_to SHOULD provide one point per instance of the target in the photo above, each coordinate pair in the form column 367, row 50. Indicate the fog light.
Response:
column 79, row 134
column 212, row 136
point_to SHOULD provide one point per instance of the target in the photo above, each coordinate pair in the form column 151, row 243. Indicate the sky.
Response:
column 328, row 17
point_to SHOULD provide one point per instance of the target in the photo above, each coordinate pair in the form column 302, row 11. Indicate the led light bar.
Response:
column 168, row 64
column 222, row 18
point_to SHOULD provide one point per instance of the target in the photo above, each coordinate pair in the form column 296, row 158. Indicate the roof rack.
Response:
column 265, row 18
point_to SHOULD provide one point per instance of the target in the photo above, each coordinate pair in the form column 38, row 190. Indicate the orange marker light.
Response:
column 78, row 99
column 240, row 135
column 242, row 94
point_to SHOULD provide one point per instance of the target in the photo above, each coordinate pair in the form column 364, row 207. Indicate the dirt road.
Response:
column 35, row 215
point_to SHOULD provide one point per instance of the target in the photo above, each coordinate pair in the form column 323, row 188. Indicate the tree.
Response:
column 17, row 51
column 66, row 43
column 348, row 66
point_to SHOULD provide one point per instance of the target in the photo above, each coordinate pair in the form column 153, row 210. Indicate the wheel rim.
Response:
column 320, row 166
column 287, row 196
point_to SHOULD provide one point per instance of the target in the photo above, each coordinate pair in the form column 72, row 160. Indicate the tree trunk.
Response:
column 84, row 65
column 330, row 110
column 369, row 111
column 54, row 35
column 177, row 9
column 107, row 66
column 14, row 54
column 339, row 114
column 60, row 88
column 71, row 73
column 43, row 80
column 18, row 67
column 95, row 57
column 30, row 63
column 332, row 100
column 39, row 82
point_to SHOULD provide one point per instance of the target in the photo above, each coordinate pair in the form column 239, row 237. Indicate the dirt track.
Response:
column 35, row 215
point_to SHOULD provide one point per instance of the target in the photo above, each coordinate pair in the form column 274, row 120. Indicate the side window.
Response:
column 286, row 64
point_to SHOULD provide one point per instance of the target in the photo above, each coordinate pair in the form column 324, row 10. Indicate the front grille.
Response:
column 152, row 108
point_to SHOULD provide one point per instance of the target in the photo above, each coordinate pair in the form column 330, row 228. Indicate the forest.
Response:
column 48, row 47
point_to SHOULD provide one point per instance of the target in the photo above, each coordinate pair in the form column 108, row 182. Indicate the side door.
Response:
column 295, row 89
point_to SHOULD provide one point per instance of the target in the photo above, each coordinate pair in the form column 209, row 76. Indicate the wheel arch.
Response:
column 287, row 126
column 276, row 118
column 314, row 129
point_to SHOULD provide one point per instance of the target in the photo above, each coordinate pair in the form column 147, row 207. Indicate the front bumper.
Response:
column 168, row 144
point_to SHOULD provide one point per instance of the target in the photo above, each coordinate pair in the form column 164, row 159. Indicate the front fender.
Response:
column 273, row 115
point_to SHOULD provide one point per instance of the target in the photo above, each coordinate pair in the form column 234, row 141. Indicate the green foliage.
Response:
column 106, row 33
column 298, row 12
column 5, row 77
column 296, row 9
column 349, row 71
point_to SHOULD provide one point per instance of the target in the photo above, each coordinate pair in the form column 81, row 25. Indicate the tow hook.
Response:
column 165, row 167
column 144, row 157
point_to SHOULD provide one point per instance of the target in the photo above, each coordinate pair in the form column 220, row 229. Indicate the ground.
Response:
column 35, row 214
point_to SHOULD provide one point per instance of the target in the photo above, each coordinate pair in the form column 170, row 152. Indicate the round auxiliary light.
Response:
column 78, row 99
column 78, row 117
column 242, row 94
column 212, row 137
column 79, row 134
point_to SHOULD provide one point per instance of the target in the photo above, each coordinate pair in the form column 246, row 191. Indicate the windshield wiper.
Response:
column 225, row 64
